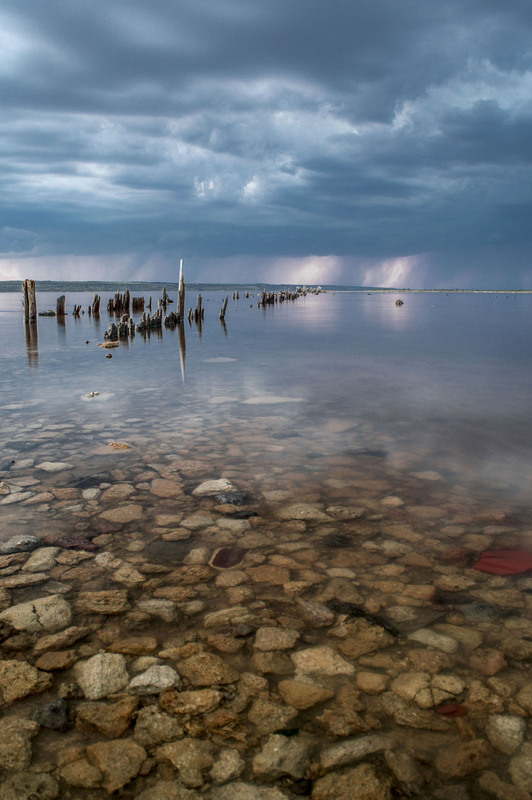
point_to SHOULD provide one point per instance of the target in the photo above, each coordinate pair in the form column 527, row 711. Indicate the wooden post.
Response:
column 60, row 307
column 181, row 292
column 29, row 299
column 223, row 309
column 96, row 305
column 199, row 312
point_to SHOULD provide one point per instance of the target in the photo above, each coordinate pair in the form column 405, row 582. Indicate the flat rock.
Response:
column 283, row 756
column 15, row 743
column 81, row 773
column 351, row 750
column 191, row 757
column 134, row 646
column 303, row 695
column 214, row 487
column 108, row 719
column 154, row 680
column 167, row 790
column 15, row 497
column 207, row 669
column 20, row 544
column 269, row 717
column 27, row 785
column 521, row 768
column 201, row 701
column 506, row 732
column 45, row 614
column 102, row 675
column 129, row 512
column 19, row 679
column 305, row 511
column 164, row 609
column 228, row 766
column 358, row 783
column 55, row 641
column 119, row 761
column 272, row 638
column 42, row 559
column 108, row 602
column 430, row 638
column 166, row 488
column 154, row 727
column 322, row 660
column 238, row 790
column 117, row 493
column 269, row 573
column 54, row 466
column 459, row 760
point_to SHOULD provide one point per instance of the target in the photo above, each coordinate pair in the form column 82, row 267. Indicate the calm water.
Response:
column 442, row 383
column 378, row 449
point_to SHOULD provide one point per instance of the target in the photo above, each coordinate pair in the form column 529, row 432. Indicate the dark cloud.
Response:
column 382, row 138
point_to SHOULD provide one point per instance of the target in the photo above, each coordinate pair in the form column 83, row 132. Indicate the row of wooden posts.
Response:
column 121, row 302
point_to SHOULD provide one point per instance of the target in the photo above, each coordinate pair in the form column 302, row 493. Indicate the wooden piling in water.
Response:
column 223, row 309
column 60, row 306
column 29, row 300
column 95, row 308
column 199, row 312
column 181, row 292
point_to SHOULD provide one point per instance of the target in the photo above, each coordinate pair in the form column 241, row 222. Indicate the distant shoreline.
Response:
column 145, row 286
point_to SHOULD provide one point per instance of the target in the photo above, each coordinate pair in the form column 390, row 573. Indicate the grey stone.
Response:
column 322, row 660
column 102, row 675
column 42, row 559
column 20, row 544
column 214, row 487
column 283, row 756
column 506, row 732
column 166, row 610
column 54, row 466
column 53, row 715
column 229, row 765
column 45, row 614
column 154, row 680
column 351, row 750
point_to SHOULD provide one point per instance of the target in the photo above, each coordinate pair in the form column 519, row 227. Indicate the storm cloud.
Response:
column 368, row 142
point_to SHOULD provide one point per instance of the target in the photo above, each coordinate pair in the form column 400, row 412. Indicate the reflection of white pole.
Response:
column 181, row 292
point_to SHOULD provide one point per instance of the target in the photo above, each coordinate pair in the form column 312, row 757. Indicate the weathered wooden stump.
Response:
column 60, row 306
column 223, row 309
column 29, row 300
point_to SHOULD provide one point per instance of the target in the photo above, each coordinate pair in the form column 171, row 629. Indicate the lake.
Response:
column 365, row 454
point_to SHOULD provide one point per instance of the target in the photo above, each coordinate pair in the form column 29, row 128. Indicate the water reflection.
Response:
column 182, row 348
column 31, row 338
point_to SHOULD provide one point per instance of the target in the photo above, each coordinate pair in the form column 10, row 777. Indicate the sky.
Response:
column 358, row 142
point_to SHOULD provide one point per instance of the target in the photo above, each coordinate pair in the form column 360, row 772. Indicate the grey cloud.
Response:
column 373, row 129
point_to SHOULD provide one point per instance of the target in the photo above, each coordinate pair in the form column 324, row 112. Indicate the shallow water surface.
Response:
column 371, row 453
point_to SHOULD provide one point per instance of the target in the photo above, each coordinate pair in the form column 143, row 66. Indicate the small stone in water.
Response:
column 228, row 557
column 54, row 715
column 20, row 544
column 231, row 498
